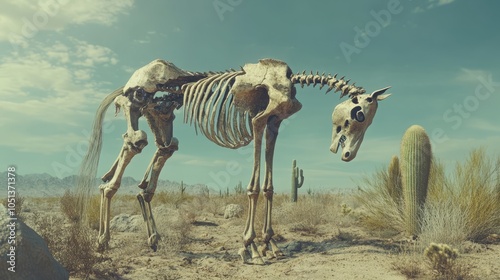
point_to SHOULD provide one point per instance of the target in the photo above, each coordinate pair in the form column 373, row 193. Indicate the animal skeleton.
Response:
column 231, row 108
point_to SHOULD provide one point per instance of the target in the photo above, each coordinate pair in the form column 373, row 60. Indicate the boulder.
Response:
column 24, row 253
column 126, row 223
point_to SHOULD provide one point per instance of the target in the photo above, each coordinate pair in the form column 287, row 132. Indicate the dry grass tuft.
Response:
column 309, row 212
column 381, row 212
column 410, row 266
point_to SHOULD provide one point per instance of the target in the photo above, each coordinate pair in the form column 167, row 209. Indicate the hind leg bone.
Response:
column 110, row 187
column 134, row 141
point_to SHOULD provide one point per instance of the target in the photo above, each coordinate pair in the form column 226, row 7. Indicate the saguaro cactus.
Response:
column 296, row 182
column 415, row 167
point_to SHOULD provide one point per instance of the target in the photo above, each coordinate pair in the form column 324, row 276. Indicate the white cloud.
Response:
column 467, row 75
column 23, row 19
column 483, row 125
column 42, row 144
column 89, row 55
column 430, row 4
column 51, row 83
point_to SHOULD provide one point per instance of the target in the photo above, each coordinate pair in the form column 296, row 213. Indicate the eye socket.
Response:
column 369, row 99
column 339, row 128
column 346, row 123
column 355, row 100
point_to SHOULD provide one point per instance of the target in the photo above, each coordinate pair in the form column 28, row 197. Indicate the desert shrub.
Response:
column 174, row 227
column 308, row 213
column 409, row 265
column 72, row 245
column 68, row 202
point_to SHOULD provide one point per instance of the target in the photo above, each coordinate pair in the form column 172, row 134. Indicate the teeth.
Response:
column 341, row 141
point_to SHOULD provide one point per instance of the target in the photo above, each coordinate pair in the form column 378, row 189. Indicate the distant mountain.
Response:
column 45, row 185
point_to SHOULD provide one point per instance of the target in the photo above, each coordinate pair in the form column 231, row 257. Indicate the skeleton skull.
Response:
column 351, row 119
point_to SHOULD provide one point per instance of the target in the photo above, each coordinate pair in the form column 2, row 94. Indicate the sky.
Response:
column 60, row 58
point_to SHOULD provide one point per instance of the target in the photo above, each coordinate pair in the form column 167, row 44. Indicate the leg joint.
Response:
column 148, row 196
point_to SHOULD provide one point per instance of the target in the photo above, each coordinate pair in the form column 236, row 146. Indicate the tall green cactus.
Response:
column 415, row 164
column 394, row 187
column 296, row 183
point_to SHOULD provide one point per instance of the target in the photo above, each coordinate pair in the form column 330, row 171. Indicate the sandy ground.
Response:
column 212, row 253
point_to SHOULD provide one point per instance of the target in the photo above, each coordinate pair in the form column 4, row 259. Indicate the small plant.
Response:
column 345, row 210
column 441, row 257
column 310, row 191
column 296, row 182
column 442, row 260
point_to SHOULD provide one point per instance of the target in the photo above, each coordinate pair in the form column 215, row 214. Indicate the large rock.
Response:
column 126, row 223
column 233, row 210
column 25, row 252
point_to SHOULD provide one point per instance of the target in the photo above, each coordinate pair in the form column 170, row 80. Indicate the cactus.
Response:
column 394, row 187
column 442, row 258
column 296, row 183
column 415, row 167
column 182, row 188
column 239, row 189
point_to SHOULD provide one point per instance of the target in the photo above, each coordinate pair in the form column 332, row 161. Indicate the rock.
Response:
column 30, row 254
column 232, row 211
column 126, row 223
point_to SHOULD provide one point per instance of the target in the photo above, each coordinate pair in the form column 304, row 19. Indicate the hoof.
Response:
column 153, row 241
column 248, row 258
column 102, row 245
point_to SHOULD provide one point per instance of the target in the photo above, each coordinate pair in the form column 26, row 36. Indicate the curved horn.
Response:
column 376, row 93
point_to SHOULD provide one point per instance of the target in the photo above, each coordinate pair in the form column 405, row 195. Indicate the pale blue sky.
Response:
column 59, row 59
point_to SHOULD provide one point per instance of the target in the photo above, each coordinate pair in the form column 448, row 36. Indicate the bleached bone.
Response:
column 231, row 108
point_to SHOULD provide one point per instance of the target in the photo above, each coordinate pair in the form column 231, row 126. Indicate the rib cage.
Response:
column 209, row 104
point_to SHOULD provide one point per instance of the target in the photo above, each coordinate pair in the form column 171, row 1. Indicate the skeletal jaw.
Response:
column 351, row 119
